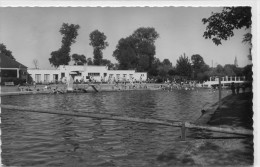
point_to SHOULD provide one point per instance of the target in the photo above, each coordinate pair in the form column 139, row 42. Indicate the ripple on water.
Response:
column 36, row 139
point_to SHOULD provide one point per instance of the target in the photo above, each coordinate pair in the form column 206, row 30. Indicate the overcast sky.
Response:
column 33, row 33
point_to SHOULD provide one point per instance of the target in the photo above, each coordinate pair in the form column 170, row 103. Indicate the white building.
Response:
column 96, row 73
column 225, row 81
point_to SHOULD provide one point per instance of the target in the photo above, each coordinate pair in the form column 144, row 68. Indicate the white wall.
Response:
column 34, row 72
column 96, row 72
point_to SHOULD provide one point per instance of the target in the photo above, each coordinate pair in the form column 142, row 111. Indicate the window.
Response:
column 46, row 77
column 37, row 78
column 110, row 75
column 62, row 74
column 117, row 75
column 93, row 74
column 55, row 77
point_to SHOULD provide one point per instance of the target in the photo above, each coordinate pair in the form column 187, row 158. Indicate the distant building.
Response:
column 85, row 73
column 235, row 62
column 10, row 68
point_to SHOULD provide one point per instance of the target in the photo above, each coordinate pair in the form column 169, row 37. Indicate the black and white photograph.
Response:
column 133, row 85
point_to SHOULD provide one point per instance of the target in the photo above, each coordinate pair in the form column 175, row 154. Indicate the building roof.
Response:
column 7, row 62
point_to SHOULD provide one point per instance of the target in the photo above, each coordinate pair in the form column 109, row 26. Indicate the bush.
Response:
column 16, row 81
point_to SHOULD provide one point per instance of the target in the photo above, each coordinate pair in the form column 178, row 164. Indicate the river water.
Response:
column 37, row 139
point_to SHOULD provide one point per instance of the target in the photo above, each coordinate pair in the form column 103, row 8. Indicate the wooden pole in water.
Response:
column 183, row 131
column 219, row 88
column 229, row 130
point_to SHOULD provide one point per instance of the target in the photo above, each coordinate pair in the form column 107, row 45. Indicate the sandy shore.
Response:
column 204, row 148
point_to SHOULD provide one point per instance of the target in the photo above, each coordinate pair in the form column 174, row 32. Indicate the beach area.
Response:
column 51, row 88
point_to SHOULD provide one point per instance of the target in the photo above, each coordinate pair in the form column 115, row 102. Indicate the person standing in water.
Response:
column 237, row 88
column 233, row 88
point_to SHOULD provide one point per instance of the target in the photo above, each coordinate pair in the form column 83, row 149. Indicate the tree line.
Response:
column 137, row 51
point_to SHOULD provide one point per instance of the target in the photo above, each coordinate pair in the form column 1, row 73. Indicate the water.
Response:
column 37, row 139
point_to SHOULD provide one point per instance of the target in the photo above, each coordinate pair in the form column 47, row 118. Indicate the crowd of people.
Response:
column 235, row 88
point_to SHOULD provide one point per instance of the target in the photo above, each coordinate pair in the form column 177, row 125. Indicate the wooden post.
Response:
column 219, row 88
column 183, row 131
column 17, row 71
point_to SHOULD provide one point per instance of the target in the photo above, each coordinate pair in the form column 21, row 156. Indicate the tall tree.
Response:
column 183, row 66
column 125, row 53
column 98, row 42
column 220, row 26
column 154, row 70
column 5, row 51
column 197, row 64
column 145, row 43
column 137, row 51
column 197, row 61
column 79, row 59
column 59, row 57
column 69, row 33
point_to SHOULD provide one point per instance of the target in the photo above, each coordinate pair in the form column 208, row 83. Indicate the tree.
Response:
column 248, row 40
column 6, row 52
column 69, row 34
column 89, row 61
column 172, row 72
column 107, row 63
column 79, row 59
column 59, row 57
column 36, row 63
column 219, row 71
column 125, row 54
column 167, row 62
column 137, row 51
column 220, row 26
column 98, row 42
column 197, row 64
column 145, row 38
column 197, row 61
column 183, row 66
column 248, row 72
column 229, row 69
column 154, row 70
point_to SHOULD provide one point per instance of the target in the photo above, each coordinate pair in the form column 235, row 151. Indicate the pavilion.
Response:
column 10, row 68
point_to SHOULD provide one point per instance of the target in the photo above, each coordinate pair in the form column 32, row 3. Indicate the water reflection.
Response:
column 35, row 139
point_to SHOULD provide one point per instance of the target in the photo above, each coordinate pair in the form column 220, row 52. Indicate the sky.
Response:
column 33, row 32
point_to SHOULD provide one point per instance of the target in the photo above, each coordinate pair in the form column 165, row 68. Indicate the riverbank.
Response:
column 204, row 148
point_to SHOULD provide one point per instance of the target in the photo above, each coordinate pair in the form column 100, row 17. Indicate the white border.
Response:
column 117, row 3
column 255, row 4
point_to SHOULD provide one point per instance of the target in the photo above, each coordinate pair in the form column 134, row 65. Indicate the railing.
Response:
column 9, row 83
column 182, row 125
